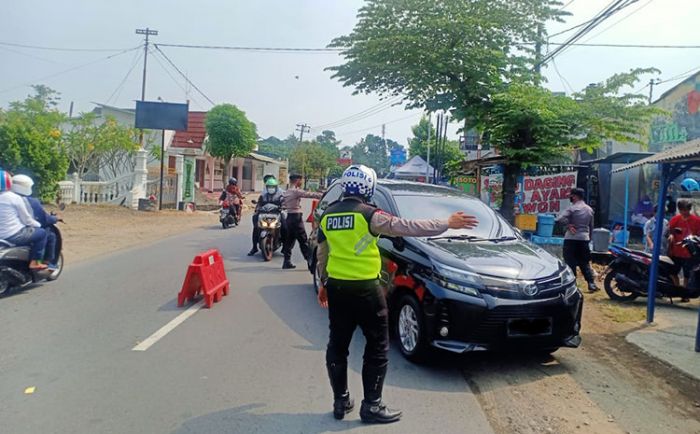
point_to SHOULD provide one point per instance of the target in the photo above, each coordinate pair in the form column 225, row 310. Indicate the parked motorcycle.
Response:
column 226, row 217
column 628, row 274
column 270, row 224
column 14, row 265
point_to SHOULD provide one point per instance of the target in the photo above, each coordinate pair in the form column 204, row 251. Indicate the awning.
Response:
column 619, row 158
column 686, row 153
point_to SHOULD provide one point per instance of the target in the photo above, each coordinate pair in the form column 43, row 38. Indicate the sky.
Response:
column 280, row 90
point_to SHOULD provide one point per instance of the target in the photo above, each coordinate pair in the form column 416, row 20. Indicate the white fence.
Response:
column 125, row 190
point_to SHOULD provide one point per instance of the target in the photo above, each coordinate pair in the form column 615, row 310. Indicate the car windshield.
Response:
column 491, row 225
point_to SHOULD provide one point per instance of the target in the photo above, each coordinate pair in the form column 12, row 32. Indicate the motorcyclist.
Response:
column 233, row 195
column 17, row 225
column 272, row 194
column 39, row 214
column 349, row 264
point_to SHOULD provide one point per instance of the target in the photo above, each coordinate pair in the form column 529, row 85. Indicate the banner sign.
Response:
column 188, row 184
column 469, row 184
column 546, row 193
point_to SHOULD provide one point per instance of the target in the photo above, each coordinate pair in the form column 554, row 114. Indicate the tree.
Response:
column 418, row 144
column 328, row 140
column 230, row 134
column 310, row 159
column 30, row 140
column 530, row 125
column 372, row 151
column 277, row 148
column 91, row 144
column 447, row 55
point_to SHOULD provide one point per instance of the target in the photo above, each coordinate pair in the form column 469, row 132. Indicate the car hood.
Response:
column 512, row 260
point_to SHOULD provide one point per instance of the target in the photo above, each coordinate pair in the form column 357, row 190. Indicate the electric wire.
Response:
column 377, row 126
column 183, row 74
column 65, row 71
column 619, row 21
column 37, row 47
column 378, row 108
column 117, row 91
column 172, row 77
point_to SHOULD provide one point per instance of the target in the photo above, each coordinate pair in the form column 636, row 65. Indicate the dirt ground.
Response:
column 94, row 230
column 605, row 386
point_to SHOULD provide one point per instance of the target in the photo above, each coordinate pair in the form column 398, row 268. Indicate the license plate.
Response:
column 530, row 327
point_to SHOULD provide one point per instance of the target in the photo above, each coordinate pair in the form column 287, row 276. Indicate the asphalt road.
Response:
column 254, row 363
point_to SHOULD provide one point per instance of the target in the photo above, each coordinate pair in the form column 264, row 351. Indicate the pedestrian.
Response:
column 649, row 230
column 294, row 223
column 683, row 225
column 349, row 264
column 578, row 219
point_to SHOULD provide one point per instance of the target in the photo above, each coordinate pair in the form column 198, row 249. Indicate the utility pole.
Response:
column 148, row 32
column 427, row 169
column 302, row 128
column 652, row 83
column 438, row 137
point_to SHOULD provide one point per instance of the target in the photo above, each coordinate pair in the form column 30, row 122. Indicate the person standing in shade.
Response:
column 294, row 224
column 349, row 264
column 649, row 229
column 578, row 219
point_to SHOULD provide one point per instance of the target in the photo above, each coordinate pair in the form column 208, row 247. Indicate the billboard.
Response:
column 152, row 115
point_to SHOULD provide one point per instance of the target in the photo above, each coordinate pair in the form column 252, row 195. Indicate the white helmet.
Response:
column 359, row 180
column 22, row 185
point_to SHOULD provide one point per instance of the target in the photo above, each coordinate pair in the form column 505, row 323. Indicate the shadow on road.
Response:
column 244, row 420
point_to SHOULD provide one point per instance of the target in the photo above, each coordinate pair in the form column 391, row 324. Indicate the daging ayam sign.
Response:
column 546, row 193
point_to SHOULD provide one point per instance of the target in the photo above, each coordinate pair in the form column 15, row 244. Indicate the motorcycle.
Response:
column 627, row 276
column 226, row 217
column 270, row 224
column 14, row 265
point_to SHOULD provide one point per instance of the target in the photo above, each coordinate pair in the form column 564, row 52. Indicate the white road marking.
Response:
column 155, row 337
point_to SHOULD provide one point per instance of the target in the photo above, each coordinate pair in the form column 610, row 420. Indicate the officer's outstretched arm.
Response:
column 386, row 224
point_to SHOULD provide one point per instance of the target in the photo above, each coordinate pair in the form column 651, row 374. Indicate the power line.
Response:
column 379, row 125
column 37, row 47
column 183, row 74
column 564, row 81
column 385, row 105
column 43, row 59
column 626, row 45
column 65, row 71
column 620, row 20
column 614, row 7
column 566, row 5
column 119, row 87
column 262, row 49
column 184, row 89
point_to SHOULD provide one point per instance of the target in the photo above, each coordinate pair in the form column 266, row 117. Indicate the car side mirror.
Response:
column 398, row 242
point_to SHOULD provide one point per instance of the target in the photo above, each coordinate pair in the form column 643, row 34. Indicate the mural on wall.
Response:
column 683, row 125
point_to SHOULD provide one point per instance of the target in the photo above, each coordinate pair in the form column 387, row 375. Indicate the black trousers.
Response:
column 256, row 231
column 295, row 231
column 577, row 253
column 353, row 304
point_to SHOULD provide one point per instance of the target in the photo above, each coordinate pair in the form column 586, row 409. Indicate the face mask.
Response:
column 271, row 190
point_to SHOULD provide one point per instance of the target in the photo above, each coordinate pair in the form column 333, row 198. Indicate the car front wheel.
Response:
column 410, row 330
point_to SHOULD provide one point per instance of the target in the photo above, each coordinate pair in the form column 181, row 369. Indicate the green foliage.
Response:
column 230, row 134
column 30, row 140
column 450, row 55
column 372, row 152
column 91, row 144
column 329, row 142
column 418, row 144
column 530, row 125
column 311, row 159
column 277, row 148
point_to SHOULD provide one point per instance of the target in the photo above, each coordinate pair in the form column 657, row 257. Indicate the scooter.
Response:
column 627, row 276
column 14, row 265
column 270, row 224
column 226, row 217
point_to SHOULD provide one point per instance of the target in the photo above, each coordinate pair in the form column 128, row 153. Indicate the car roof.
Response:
column 396, row 187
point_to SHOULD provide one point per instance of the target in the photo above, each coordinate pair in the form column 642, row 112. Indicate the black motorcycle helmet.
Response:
column 232, row 181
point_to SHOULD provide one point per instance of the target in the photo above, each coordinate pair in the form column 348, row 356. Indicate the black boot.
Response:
column 592, row 287
column 373, row 410
column 287, row 265
column 253, row 251
column 342, row 403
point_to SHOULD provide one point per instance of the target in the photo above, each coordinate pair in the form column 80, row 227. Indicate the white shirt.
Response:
column 14, row 215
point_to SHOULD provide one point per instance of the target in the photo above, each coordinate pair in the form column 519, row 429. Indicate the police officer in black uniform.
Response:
column 349, row 264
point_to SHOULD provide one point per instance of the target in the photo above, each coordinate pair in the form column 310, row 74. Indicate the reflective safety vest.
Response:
column 353, row 252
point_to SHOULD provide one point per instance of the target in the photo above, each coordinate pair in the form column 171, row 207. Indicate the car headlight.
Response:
column 458, row 280
column 567, row 276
